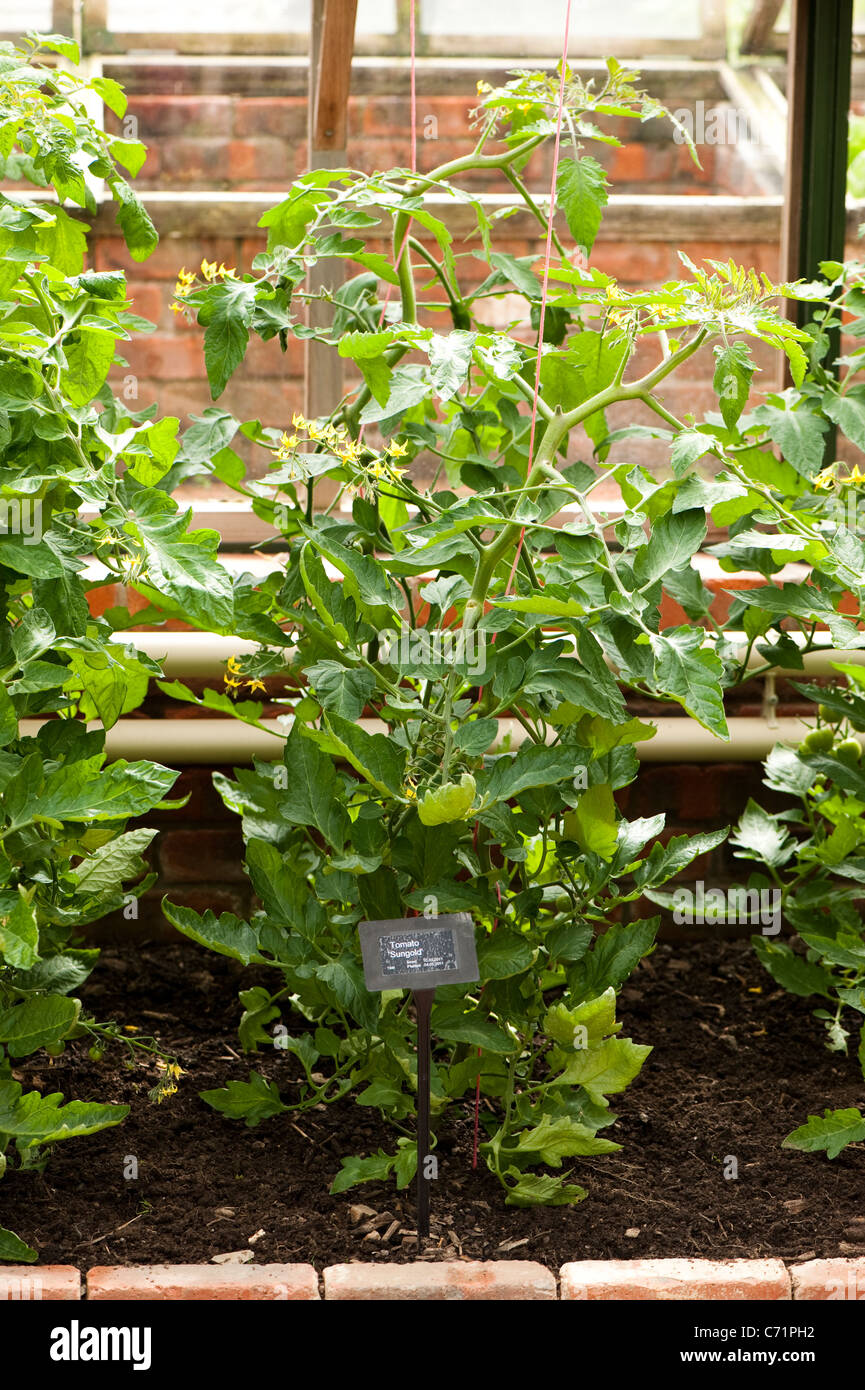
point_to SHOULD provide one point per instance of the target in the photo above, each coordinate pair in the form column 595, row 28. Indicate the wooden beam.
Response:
column 332, row 57
column 330, row 52
column 761, row 25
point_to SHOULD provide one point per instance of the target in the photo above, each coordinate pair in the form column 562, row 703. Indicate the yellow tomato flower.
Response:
column 298, row 420
column 256, row 685
column 825, row 478
column 397, row 451
column 209, row 270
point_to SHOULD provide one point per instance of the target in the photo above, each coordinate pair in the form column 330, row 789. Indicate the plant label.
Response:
column 411, row 953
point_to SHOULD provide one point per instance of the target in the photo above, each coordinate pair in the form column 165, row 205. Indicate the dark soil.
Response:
column 737, row 1064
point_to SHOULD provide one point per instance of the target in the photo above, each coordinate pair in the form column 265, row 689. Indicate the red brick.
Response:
column 628, row 164
column 166, row 356
column 634, row 263
column 151, row 302
column 171, row 115
column 196, row 856
column 257, row 162
column 201, row 1283
column 449, row 1281
column 195, row 163
column 829, row 1280
column 285, row 117
column 168, row 257
column 34, row 1283
column 718, row 1280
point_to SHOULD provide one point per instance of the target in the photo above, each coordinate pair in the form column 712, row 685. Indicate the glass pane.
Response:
column 222, row 16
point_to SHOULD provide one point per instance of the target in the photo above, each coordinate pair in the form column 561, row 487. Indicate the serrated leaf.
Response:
column 581, row 192
column 832, row 1132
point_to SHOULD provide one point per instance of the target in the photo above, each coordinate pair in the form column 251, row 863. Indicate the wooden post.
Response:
column 760, row 26
column 330, row 52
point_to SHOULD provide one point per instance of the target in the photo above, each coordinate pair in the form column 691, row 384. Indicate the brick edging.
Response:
column 592, row 1280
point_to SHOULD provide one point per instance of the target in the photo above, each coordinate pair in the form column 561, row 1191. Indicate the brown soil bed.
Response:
column 737, row 1065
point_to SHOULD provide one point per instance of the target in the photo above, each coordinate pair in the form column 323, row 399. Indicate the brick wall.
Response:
column 242, row 129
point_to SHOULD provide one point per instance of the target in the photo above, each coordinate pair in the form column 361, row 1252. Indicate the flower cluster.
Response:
column 234, row 679
column 170, row 1074
column 187, row 280
column 828, row 478
column 374, row 466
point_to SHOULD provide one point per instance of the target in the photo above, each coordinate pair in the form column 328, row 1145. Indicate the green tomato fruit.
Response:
column 96, row 1053
column 818, row 741
column 849, row 751
column 2, row 1164
column 55, row 1049
column 563, row 903
column 825, row 713
column 451, row 802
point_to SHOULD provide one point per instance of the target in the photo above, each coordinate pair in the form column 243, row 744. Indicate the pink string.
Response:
column 544, row 293
column 413, row 103
column 546, row 279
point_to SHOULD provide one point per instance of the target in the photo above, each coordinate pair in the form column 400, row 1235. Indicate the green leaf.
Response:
column 134, row 221
column 613, row 957
column 734, row 370
column 252, row 1101
column 555, row 1139
column 593, row 822
column 345, row 978
column 66, row 242
column 14, row 1250
column 581, row 191
column 798, row 434
column 848, row 413
column 605, row 1068
column 89, row 354
column 26, row 1027
column 356, row 1170
column 452, row 1023
column 763, row 837
column 504, row 954
column 589, row 1022
column 312, row 795
column 687, row 447
column 19, row 931
column 541, row 1190
column 111, row 865
column 674, row 539
column 690, row 674
column 532, row 766
column 226, row 934
column 792, row 972
column 182, row 565
column 374, row 756
column 228, row 313
column 833, row 1132
column 450, row 358
column 340, row 689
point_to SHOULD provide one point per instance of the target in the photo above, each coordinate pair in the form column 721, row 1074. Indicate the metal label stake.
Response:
column 416, row 954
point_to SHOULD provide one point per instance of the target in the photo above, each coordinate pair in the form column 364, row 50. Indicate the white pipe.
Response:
column 228, row 741
column 205, row 654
